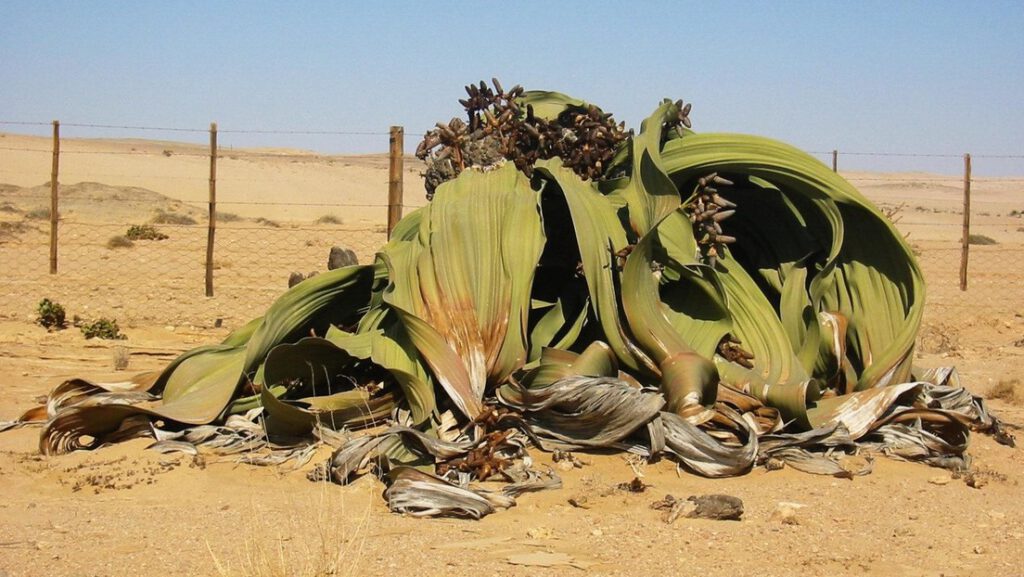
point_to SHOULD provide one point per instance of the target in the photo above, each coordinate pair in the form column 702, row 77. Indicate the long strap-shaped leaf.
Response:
column 870, row 274
column 466, row 306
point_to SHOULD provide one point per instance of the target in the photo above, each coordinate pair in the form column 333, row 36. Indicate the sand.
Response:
column 123, row 510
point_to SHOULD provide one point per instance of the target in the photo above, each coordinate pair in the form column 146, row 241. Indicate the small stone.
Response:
column 978, row 550
column 718, row 507
column 975, row 482
column 565, row 466
column 785, row 513
column 940, row 480
column 580, row 501
column 540, row 533
column 597, row 532
column 295, row 278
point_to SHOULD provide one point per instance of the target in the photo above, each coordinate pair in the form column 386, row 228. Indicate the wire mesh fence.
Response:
column 280, row 211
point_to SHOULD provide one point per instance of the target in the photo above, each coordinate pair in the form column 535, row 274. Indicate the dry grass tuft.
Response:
column 1010, row 391
column 120, row 241
column 319, row 537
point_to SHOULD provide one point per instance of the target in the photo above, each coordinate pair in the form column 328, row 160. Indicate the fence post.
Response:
column 396, row 153
column 213, row 209
column 54, row 209
column 835, row 160
column 965, row 240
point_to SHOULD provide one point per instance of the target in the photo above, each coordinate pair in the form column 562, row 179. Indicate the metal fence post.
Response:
column 211, row 231
column 835, row 160
column 54, row 208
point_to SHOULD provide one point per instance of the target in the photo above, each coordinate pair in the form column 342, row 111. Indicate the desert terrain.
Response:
column 126, row 511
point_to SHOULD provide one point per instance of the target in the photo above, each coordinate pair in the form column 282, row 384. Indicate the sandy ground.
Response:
column 123, row 510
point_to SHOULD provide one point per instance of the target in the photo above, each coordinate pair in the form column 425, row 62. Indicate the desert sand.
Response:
column 126, row 511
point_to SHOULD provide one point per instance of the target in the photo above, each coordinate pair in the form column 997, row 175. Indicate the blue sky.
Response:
column 926, row 77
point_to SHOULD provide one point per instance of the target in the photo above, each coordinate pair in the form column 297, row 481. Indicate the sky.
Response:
column 908, row 77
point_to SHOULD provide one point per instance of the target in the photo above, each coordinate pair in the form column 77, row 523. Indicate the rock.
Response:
column 540, row 533
column 716, row 506
column 564, row 466
column 580, row 501
column 295, row 278
column 975, row 481
column 785, row 513
column 340, row 257
column 940, row 480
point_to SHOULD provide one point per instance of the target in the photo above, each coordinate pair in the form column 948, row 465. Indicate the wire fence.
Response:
column 280, row 211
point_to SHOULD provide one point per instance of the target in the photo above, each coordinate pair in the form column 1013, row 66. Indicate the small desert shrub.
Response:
column 51, row 315
column 168, row 153
column 329, row 219
column 9, row 208
column 228, row 217
column 164, row 217
column 13, row 228
column 119, row 241
column 102, row 328
column 268, row 222
column 42, row 213
column 981, row 239
column 1010, row 391
column 144, row 232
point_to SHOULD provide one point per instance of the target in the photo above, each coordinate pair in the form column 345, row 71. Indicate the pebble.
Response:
column 785, row 513
column 940, row 480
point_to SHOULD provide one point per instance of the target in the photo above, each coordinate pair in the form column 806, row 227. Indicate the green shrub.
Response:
column 102, row 328
column 144, row 232
column 119, row 241
column 38, row 214
column 51, row 315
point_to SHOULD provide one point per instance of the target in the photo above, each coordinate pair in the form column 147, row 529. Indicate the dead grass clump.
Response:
column 268, row 222
column 1010, row 391
column 119, row 241
column 9, row 208
column 938, row 339
column 323, row 535
column 981, row 239
column 164, row 217
column 328, row 219
column 228, row 217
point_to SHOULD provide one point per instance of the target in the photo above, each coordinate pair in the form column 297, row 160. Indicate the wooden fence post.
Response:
column 213, row 209
column 54, row 208
column 835, row 160
column 396, row 153
column 965, row 240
